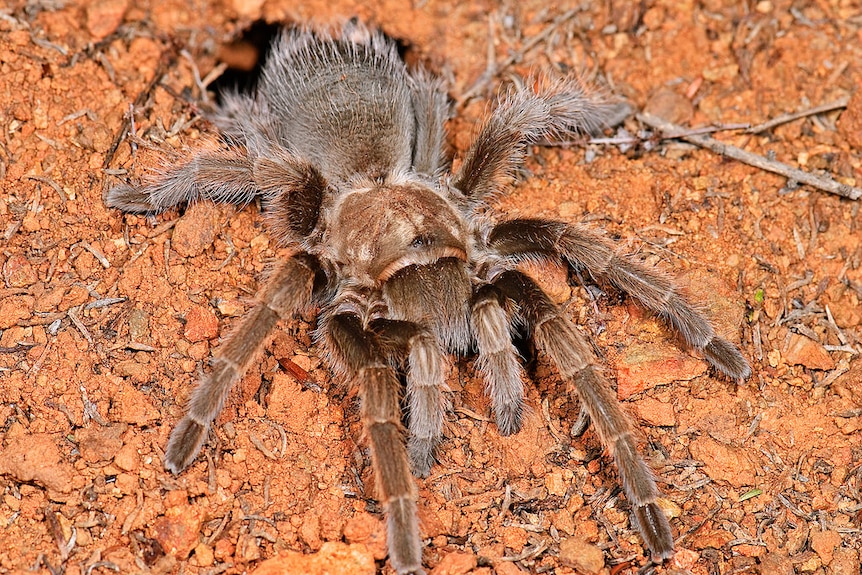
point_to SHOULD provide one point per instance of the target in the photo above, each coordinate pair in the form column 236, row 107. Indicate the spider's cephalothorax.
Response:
column 344, row 145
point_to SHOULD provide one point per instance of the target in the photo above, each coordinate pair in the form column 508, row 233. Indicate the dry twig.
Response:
column 672, row 130
column 785, row 118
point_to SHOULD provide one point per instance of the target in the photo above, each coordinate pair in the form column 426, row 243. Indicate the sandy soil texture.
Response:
column 107, row 319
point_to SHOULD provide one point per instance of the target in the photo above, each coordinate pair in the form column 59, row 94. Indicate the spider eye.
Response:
column 422, row 240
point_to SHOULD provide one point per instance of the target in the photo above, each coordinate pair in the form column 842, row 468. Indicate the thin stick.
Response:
column 79, row 324
column 166, row 62
column 783, row 119
column 53, row 184
column 826, row 184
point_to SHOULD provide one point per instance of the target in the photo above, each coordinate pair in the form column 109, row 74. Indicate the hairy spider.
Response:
column 344, row 145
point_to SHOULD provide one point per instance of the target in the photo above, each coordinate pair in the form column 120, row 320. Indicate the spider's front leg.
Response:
column 359, row 354
column 557, row 336
column 219, row 175
column 228, row 175
column 288, row 291
column 533, row 238
column 522, row 118
column 419, row 349
column 497, row 358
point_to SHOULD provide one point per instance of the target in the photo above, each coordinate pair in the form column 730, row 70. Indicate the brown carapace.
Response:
column 344, row 145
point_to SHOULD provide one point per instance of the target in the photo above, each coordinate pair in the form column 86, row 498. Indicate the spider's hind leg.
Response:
column 557, row 336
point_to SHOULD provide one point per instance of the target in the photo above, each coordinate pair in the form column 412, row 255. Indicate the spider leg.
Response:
column 558, row 337
column 228, row 175
column 425, row 381
column 288, row 291
column 430, row 109
column 533, row 238
column 219, row 175
column 359, row 354
column 497, row 358
column 520, row 119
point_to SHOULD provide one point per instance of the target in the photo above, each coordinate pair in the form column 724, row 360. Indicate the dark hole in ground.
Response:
column 247, row 54
column 245, row 58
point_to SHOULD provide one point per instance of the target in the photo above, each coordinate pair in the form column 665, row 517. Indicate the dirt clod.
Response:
column 582, row 555
column 671, row 106
column 17, row 272
column 100, row 444
column 456, row 564
column 201, row 324
column 824, row 544
column 178, row 530
column 655, row 412
column 850, row 122
column 723, row 462
column 333, row 557
column 367, row 530
column 134, row 407
column 644, row 366
column 35, row 457
column 196, row 230
column 104, row 16
column 805, row 351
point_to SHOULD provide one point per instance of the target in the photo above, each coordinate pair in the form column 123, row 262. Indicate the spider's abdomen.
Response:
column 342, row 104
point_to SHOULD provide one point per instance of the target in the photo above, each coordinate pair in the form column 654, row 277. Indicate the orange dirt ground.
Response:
column 107, row 319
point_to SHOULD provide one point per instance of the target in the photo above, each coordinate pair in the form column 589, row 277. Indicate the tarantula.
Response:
column 345, row 147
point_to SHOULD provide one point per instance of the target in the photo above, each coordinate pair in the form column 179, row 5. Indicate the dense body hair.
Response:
column 344, row 145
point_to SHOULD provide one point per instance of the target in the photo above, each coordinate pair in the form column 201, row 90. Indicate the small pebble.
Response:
column 100, row 443
column 204, row 555
column 805, row 351
column 456, row 563
column 201, row 324
column 670, row 106
column 18, row 272
column 178, row 530
column 105, row 16
column 196, row 230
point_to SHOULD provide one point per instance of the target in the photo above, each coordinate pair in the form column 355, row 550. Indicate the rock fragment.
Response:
column 100, row 443
column 644, row 366
column 723, row 462
column 805, row 351
column 196, row 230
column 456, row 563
column 35, row 457
column 201, row 324
column 582, row 555
column 178, row 530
